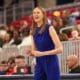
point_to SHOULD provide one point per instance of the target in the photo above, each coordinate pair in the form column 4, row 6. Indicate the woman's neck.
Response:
column 40, row 23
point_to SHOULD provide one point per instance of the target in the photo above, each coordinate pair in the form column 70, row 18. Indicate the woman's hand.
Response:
column 34, row 53
column 37, row 53
column 29, row 52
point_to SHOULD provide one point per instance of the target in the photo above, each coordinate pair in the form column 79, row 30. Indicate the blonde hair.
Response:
column 45, row 21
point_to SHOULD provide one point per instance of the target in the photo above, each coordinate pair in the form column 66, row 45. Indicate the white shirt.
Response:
column 26, row 42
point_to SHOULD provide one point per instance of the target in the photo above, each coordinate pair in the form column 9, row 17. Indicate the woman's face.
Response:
column 37, row 15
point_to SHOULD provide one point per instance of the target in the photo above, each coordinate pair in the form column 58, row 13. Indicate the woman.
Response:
column 45, row 46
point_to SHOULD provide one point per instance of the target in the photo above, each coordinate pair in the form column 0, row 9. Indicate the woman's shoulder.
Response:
column 49, row 26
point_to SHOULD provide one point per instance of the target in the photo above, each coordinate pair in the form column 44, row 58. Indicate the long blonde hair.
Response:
column 45, row 21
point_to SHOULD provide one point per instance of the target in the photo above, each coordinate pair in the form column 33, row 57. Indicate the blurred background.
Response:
column 15, row 25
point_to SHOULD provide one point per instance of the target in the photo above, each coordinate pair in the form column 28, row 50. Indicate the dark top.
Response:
column 43, row 41
column 3, row 72
column 17, row 42
column 75, row 70
column 49, row 64
column 1, row 42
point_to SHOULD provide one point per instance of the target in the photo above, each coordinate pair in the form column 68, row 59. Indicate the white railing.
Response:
column 69, row 47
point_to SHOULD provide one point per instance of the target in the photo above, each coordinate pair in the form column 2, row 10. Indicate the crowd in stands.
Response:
column 66, row 23
column 12, row 36
column 9, row 35
column 15, row 66
column 17, row 32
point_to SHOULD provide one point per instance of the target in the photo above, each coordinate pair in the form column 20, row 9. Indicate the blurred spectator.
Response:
column 12, row 28
column 63, row 37
column 74, row 13
column 11, row 66
column 24, row 25
column 16, row 38
column 21, row 66
column 26, row 40
column 61, row 24
column 57, row 24
column 1, row 41
column 7, row 40
column 65, row 17
column 54, row 22
column 11, row 61
column 7, row 28
column 71, row 20
column 3, row 67
column 73, row 64
column 75, row 35
column 2, row 31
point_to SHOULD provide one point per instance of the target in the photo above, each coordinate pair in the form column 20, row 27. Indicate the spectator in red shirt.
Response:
column 11, row 66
